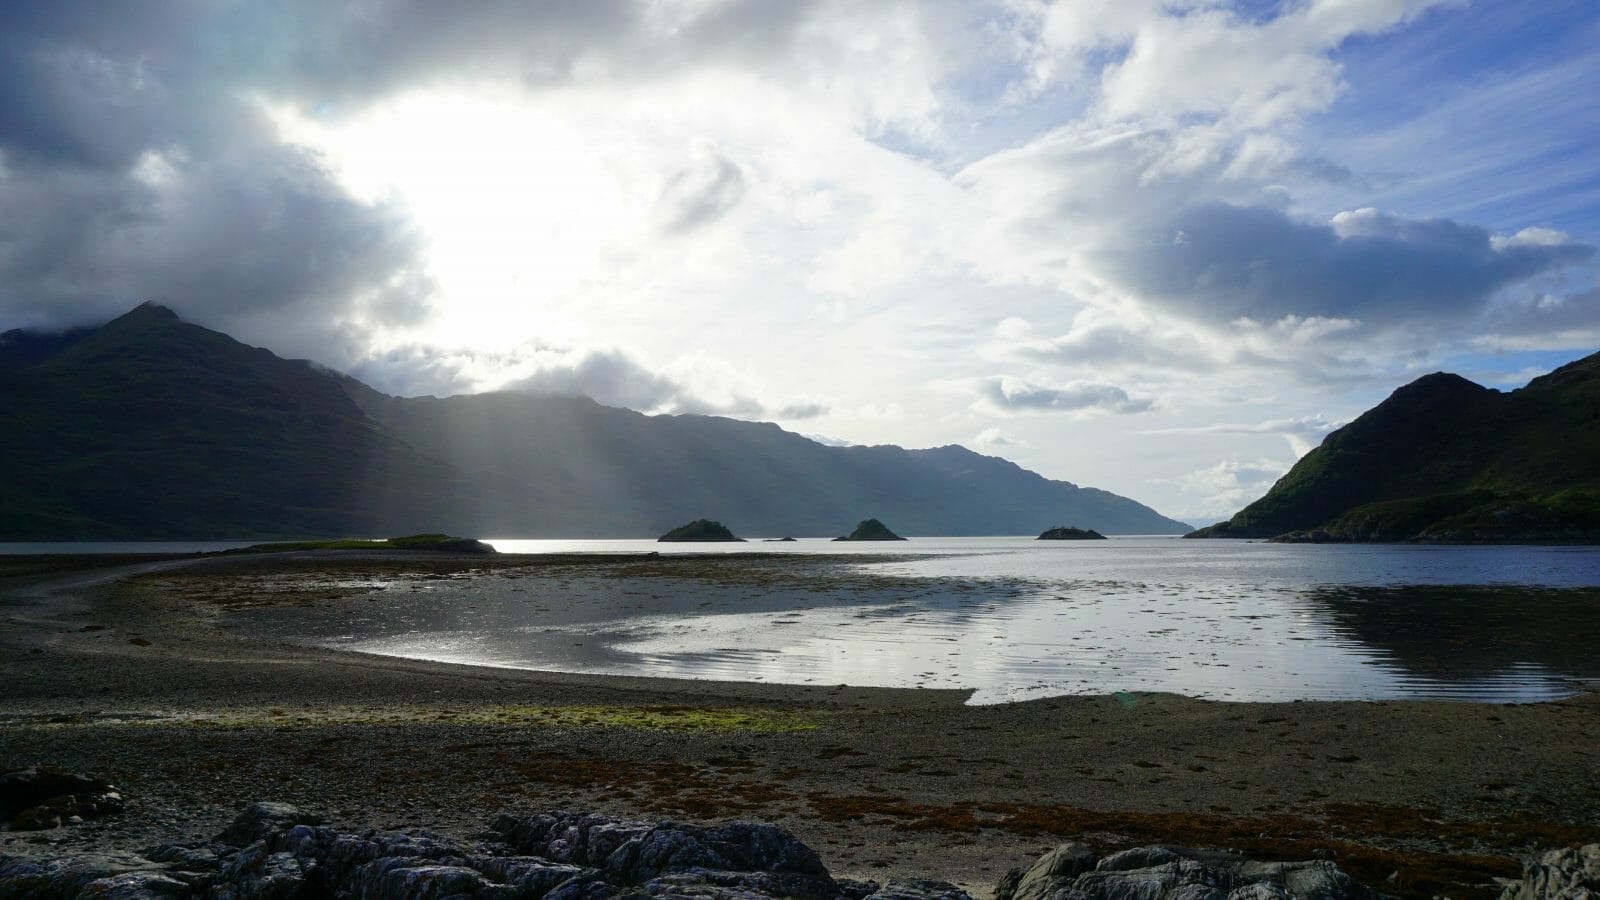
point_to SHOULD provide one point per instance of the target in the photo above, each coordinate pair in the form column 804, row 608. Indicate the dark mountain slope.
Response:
column 1445, row 459
column 659, row 470
column 151, row 427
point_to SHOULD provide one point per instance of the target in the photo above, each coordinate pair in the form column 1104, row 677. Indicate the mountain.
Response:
column 150, row 427
column 756, row 477
column 1444, row 459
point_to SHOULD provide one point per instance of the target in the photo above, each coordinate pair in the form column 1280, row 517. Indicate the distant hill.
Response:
column 149, row 427
column 1444, row 459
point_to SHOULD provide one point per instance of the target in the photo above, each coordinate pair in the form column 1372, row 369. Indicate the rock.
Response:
column 1071, row 872
column 1049, row 877
column 274, row 851
column 1313, row 878
column 1063, row 533
column 257, row 873
column 632, row 853
column 263, row 820
column 40, row 798
column 27, row 876
column 871, row 530
column 700, row 530
column 419, row 879
column 136, row 886
column 1137, row 858
column 1572, row 873
column 1315, row 536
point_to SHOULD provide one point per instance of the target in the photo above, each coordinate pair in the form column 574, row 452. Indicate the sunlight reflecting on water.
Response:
column 1014, row 619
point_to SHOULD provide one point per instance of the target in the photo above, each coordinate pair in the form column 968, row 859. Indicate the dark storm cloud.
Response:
column 136, row 162
column 257, row 231
column 1222, row 262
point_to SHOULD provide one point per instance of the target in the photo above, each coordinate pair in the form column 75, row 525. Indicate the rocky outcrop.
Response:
column 1064, row 533
column 1074, row 872
column 1315, row 536
column 1569, row 874
column 41, row 798
column 274, row 850
column 700, row 530
column 871, row 530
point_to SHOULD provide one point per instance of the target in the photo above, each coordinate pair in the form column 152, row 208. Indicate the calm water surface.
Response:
column 1013, row 618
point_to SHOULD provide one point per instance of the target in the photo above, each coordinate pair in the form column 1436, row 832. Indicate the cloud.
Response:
column 133, row 170
column 994, row 438
column 1217, row 492
column 259, row 240
column 609, row 375
column 1008, row 394
column 1302, row 432
column 615, row 378
column 700, row 193
column 1220, row 262
column 1198, row 59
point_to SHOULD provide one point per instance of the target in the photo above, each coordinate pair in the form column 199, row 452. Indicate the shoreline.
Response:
column 880, row 781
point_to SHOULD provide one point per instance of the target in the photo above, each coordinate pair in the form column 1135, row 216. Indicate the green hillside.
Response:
column 1443, row 459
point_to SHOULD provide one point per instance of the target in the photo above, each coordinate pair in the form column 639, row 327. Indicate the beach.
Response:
column 128, row 669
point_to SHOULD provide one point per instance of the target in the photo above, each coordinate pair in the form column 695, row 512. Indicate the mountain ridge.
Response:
column 1443, row 459
column 151, row 427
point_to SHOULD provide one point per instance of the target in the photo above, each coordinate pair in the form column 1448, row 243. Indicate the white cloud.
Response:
column 1007, row 394
column 1302, row 432
column 612, row 376
column 1217, row 492
column 996, row 438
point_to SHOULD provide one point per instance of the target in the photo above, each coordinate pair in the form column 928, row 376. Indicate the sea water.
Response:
column 1013, row 618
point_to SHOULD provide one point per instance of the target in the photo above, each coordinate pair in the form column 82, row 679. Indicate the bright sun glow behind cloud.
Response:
column 516, row 206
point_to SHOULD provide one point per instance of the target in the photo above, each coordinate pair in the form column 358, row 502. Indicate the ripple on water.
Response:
column 1219, row 620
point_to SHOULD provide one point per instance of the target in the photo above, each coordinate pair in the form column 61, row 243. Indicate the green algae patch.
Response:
column 717, row 719
column 681, row 718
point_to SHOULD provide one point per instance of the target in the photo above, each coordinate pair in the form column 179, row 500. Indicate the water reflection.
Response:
column 1469, row 632
column 1013, row 621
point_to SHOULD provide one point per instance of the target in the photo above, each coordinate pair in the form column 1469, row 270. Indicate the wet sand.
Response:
column 140, row 680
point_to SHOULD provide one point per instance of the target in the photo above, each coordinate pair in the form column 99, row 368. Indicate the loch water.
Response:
column 1014, row 618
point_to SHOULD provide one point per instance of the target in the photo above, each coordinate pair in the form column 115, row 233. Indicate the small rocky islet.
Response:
column 1066, row 533
column 700, row 530
column 871, row 530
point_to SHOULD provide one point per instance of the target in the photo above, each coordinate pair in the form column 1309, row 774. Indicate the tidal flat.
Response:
column 178, row 680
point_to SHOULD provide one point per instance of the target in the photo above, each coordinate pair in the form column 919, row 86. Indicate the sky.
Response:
column 1160, row 247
